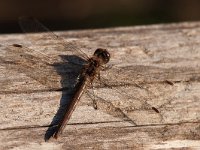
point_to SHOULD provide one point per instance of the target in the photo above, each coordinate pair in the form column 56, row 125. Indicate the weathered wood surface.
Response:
column 158, row 65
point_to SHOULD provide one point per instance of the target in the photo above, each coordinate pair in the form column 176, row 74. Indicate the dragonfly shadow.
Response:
column 69, row 71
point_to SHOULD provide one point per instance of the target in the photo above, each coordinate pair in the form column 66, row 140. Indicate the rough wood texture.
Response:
column 155, row 66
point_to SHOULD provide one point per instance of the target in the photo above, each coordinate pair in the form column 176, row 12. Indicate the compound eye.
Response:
column 98, row 52
column 103, row 54
column 106, row 56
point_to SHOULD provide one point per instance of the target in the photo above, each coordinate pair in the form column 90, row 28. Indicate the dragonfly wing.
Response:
column 32, row 25
column 108, row 107
column 49, row 72
column 122, row 84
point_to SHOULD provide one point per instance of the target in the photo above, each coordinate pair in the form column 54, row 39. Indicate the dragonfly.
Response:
column 78, row 67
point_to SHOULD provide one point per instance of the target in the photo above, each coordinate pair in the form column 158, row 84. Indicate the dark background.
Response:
column 81, row 14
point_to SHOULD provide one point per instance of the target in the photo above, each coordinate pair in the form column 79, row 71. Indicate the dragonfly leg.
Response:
column 94, row 102
column 92, row 97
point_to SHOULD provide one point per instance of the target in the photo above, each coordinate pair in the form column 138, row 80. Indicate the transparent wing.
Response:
column 32, row 25
column 53, row 73
column 121, row 82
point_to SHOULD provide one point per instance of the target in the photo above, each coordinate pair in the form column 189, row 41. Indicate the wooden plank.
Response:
column 107, row 136
column 154, row 65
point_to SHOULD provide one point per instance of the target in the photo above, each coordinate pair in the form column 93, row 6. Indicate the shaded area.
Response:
column 66, row 94
column 67, row 15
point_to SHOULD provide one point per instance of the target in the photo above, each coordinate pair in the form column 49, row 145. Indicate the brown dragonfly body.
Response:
column 89, row 72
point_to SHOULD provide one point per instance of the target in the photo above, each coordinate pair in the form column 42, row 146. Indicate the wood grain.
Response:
column 155, row 66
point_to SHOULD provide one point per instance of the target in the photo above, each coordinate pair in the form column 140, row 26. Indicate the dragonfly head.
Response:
column 102, row 54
